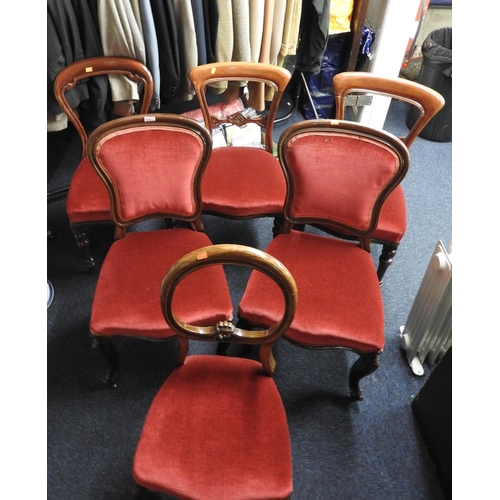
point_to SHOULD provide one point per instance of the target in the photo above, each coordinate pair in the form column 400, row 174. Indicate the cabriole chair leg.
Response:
column 84, row 245
column 385, row 260
column 108, row 350
column 366, row 364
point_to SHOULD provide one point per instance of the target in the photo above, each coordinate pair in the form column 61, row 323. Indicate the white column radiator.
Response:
column 427, row 332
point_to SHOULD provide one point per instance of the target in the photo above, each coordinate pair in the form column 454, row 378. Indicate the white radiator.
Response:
column 427, row 332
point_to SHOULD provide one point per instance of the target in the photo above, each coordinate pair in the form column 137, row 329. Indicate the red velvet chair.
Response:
column 87, row 199
column 151, row 166
column 338, row 173
column 217, row 428
column 347, row 87
column 242, row 182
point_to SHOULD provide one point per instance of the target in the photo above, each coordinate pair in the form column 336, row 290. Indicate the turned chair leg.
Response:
column 108, row 350
column 385, row 260
column 83, row 244
column 364, row 365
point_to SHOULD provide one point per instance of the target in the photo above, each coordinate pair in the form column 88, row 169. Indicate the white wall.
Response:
column 394, row 24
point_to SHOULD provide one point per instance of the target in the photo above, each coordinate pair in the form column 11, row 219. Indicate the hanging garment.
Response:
column 291, row 27
column 241, row 43
column 56, row 119
column 168, row 49
column 241, row 30
column 121, row 35
column 64, row 47
column 225, row 41
column 152, row 54
column 188, row 51
column 199, row 26
column 313, row 35
column 93, row 110
column 211, row 19
column 277, row 31
column 256, row 28
column 340, row 16
column 276, row 39
column 256, row 90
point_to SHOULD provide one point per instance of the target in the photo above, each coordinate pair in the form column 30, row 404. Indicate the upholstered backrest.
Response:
column 85, row 69
column 425, row 99
column 339, row 173
column 253, row 76
column 225, row 331
column 151, row 165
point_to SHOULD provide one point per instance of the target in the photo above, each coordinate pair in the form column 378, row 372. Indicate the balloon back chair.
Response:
column 244, row 179
column 338, row 173
column 217, row 428
column 348, row 87
column 151, row 166
column 87, row 199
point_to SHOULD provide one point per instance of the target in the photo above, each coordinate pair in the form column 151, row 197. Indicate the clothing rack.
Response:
column 83, row 16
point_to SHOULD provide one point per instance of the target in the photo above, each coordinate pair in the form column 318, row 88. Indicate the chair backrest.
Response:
column 339, row 173
column 425, row 99
column 84, row 69
column 152, row 166
column 225, row 331
column 275, row 77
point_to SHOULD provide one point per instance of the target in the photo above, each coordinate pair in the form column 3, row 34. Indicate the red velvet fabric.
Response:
column 242, row 182
column 127, row 295
column 338, row 176
column 392, row 222
column 216, row 430
column 137, row 166
column 88, row 198
column 219, row 110
column 339, row 298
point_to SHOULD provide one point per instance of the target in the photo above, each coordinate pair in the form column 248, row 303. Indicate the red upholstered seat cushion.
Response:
column 243, row 181
column 339, row 299
column 88, row 199
column 127, row 295
column 216, row 430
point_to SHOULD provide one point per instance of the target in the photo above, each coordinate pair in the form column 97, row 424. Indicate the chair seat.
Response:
column 126, row 299
column 349, row 313
column 216, row 429
column 243, row 182
column 88, row 198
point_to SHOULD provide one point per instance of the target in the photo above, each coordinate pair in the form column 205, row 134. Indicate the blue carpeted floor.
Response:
column 341, row 449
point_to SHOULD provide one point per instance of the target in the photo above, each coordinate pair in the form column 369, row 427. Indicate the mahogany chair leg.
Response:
column 385, row 260
column 299, row 227
column 108, row 350
column 222, row 348
column 171, row 223
column 366, row 364
column 139, row 492
column 278, row 225
column 84, row 245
